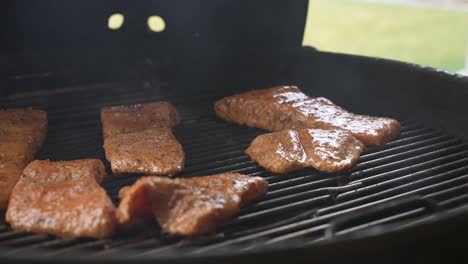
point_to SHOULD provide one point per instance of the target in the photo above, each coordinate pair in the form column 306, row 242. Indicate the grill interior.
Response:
column 404, row 183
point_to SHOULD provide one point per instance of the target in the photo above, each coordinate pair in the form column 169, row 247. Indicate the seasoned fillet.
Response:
column 22, row 133
column 62, row 198
column 133, row 118
column 191, row 206
column 135, row 204
column 14, row 156
column 18, row 152
column 152, row 151
column 286, row 107
column 138, row 139
column 290, row 150
column 25, row 125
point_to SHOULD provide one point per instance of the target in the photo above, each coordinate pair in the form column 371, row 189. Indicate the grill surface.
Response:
column 404, row 183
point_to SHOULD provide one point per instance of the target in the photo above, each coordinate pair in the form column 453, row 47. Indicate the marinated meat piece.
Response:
column 22, row 133
column 14, row 156
column 135, row 202
column 191, row 206
column 286, row 107
column 9, row 175
column 289, row 150
column 138, row 139
column 25, row 125
column 133, row 118
column 62, row 198
column 152, row 151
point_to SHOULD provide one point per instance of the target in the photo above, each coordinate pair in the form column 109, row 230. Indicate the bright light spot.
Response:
column 115, row 21
column 156, row 23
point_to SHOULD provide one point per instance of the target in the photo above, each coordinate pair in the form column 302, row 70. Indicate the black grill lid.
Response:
column 204, row 40
column 198, row 25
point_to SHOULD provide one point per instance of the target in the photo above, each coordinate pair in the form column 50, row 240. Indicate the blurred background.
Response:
column 427, row 32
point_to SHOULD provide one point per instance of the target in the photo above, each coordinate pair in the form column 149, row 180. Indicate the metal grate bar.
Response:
column 12, row 235
column 413, row 178
column 387, row 149
column 371, row 199
column 24, row 241
column 299, row 207
column 409, row 169
column 405, row 154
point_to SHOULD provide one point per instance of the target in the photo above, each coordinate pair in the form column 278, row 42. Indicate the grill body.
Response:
column 409, row 197
column 412, row 191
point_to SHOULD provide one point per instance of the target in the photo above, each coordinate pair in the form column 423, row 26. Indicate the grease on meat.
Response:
column 63, row 199
column 22, row 133
column 133, row 118
column 190, row 206
column 138, row 139
column 290, row 150
column 152, row 151
column 14, row 156
column 287, row 107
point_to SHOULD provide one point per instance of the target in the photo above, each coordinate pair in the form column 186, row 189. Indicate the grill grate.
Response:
column 404, row 182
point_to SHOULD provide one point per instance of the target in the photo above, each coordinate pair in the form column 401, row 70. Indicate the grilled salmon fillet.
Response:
column 290, row 150
column 133, row 118
column 138, row 139
column 25, row 125
column 22, row 133
column 14, row 156
column 153, row 151
column 286, row 107
column 188, row 207
column 62, row 198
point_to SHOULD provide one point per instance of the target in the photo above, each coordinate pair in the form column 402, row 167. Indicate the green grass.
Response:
column 437, row 38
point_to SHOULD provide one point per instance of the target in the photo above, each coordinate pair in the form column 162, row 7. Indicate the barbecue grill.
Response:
column 406, row 198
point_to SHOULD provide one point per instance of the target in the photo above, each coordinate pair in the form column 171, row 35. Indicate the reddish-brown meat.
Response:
column 25, row 125
column 14, row 156
column 189, row 207
column 289, row 150
column 22, row 133
column 286, row 107
column 62, row 198
column 135, row 204
column 138, row 139
column 133, row 118
column 152, row 151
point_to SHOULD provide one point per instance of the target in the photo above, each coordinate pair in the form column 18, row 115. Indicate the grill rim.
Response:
column 459, row 214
